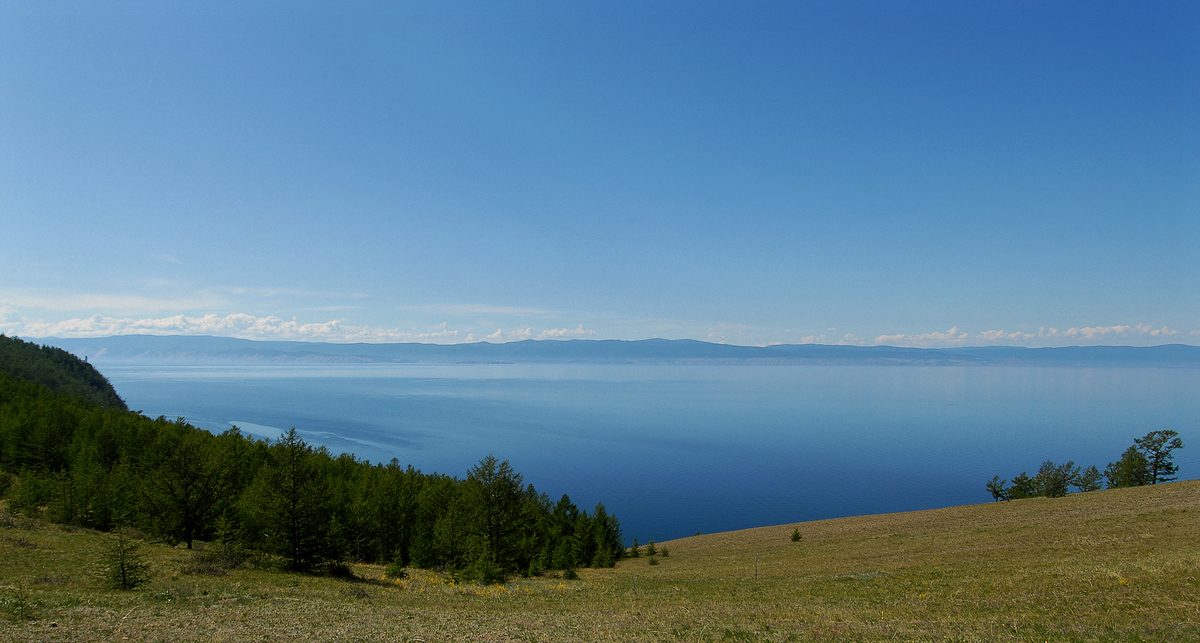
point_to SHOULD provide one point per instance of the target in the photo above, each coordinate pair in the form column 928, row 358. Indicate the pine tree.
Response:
column 1132, row 470
column 495, row 494
column 183, row 490
column 1157, row 447
column 996, row 487
column 291, row 500
column 1089, row 479
column 1022, row 487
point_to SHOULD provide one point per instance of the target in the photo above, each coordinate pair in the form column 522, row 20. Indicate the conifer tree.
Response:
column 291, row 501
column 1132, row 470
column 495, row 492
column 1157, row 446
column 183, row 490
column 122, row 566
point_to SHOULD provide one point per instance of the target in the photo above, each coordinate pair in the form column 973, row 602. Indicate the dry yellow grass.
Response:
column 1120, row 565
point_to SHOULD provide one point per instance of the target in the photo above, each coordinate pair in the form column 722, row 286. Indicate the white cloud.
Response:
column 239, row 325
column 954, row 336
column 560, row 333
column 1001, row 336
column 519, row 334
column 1044, row 336
column 1093, row 333
column 167, row 258
column 501, row 336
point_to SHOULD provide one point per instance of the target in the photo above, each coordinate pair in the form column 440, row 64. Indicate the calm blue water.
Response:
column 673, row 450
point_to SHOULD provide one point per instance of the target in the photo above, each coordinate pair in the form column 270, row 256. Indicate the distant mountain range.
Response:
column 149, row 348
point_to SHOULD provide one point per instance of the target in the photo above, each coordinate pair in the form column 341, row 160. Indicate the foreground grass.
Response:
column 1119, row 565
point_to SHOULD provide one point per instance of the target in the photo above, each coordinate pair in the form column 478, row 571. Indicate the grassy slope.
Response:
column 1120, row 565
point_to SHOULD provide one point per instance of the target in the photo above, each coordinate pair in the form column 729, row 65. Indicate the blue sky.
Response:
column 903, row 173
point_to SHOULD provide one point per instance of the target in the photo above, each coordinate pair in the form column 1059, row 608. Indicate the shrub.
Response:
column 652, row 560
column 796, row 537
column 485, row 572
column 122, row 566
column 7, row 481
column 215, row 561
column 355, row 591
column 570, row 574
column 664, row 552
column 395, row 570
column 338, row 569
column 204, row 563
column 17, row 605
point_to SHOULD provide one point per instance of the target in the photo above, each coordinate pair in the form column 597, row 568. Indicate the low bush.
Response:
column 216, row 560
column 395, row 570
column 17, row 605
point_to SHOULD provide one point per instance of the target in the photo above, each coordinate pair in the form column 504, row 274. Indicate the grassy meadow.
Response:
column 1115, row 565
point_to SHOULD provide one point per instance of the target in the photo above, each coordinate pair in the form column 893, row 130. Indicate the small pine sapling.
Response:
column 796, row 537
column 651, row 550
column 122, row 566
column 635, row 551
column 395, row 570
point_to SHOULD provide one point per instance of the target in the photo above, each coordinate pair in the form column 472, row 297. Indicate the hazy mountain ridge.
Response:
column 151, row 348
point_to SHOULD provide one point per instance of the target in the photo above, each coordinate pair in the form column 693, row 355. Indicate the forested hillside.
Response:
column 74, row 461
column 58, row 370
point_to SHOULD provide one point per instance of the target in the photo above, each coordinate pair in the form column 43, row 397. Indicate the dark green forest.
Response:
column 58, row 370
column 70, row 452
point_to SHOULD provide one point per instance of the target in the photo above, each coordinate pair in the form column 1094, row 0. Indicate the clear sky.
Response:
column 903, row 173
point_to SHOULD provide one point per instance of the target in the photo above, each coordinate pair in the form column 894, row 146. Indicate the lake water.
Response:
column 673, row 450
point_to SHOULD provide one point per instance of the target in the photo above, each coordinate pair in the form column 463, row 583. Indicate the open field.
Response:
column 1118, row 565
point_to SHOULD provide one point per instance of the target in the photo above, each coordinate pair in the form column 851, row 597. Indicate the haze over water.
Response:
column 676, row 449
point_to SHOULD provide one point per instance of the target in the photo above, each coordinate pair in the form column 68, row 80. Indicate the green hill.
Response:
column 57, row 370
column 1116, row 565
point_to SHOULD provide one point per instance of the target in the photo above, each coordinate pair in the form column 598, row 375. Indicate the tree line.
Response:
column 72, row 461
column 1148, row 461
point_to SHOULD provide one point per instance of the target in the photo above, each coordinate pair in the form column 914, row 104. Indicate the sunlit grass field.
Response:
column 1117, row 565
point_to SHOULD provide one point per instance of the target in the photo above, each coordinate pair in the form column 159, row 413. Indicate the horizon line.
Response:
column 550, row 340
